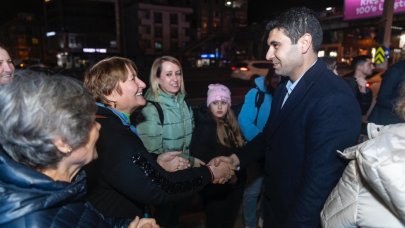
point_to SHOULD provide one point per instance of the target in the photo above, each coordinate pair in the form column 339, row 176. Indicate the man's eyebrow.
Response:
column 274, row 43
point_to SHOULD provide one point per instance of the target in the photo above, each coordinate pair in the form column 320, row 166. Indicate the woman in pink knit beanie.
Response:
column 217, row 133
column 218, row 92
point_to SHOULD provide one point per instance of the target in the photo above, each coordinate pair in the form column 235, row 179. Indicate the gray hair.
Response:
column 36, row 109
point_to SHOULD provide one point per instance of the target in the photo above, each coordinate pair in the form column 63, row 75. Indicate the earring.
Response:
column 69, row 149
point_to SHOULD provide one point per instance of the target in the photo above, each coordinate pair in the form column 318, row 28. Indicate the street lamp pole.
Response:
column 386, row 21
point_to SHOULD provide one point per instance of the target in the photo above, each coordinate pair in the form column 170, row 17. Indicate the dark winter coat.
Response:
column 299, row 143
column 364, row 99
column 31, row 199
column 205, row 146
column 390, row 91
column 125, row 177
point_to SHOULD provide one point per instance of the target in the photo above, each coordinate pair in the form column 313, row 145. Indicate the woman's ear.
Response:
column 62, row 146
column 112, row 96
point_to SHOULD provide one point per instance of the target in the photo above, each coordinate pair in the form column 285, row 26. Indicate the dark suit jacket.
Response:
column 392, row 81
column 300, row 142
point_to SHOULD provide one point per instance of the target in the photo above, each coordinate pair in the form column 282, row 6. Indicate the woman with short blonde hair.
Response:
column 125, row 177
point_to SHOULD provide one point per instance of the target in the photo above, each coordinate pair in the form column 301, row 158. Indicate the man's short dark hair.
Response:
column 360, row 59
column 295, row 22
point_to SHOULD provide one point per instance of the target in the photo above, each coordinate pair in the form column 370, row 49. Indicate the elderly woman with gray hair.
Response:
column 48, row 133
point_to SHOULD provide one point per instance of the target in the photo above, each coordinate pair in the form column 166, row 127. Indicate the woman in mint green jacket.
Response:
column 169, row 129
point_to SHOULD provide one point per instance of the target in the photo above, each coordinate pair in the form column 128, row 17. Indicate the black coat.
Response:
column 205, row 146
column 390, row 91
column 125, row 176
column 364, row 99
column 31, row 199
column 300, row 143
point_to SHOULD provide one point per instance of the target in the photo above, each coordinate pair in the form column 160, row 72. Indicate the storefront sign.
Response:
column 357, row 9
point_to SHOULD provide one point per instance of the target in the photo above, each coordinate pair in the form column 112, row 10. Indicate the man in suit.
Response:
column 314, row 114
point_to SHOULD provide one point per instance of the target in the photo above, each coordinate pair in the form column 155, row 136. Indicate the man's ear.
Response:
column 305, row 42
column 62, row 146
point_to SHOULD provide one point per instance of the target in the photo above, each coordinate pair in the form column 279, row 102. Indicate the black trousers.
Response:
column 221, row 212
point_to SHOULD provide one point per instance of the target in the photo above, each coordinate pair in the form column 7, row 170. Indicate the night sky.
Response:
column 10, row 8
column 259, row 10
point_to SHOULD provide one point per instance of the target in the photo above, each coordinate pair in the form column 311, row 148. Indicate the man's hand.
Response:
column 143, row 223
column 222, row 172
column 172, row 162
column 232, row 160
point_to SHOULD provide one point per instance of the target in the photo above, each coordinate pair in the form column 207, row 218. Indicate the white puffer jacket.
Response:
column 371, row 192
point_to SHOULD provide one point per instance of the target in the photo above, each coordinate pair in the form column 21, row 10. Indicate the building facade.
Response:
column 78, row 32
column 345, row 39
column 22, row 37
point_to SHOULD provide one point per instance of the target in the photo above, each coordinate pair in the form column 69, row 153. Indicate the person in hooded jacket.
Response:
column 171, row 130
column 48, row 133
column 252, row 118
column 371, row 190
column 217, row 134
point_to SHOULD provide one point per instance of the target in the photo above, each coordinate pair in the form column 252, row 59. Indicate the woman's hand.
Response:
column 143, row 223
column 198, row 162
column 172, row 162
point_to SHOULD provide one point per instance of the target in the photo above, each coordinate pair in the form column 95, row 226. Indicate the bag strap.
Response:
column 258, row 102
column 159, row 110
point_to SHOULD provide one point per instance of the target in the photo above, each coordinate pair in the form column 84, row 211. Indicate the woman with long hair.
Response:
column 218, row 134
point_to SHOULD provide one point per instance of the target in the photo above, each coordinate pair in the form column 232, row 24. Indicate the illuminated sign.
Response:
column 49, row 34
column 207, row 56
column 94, row 50
column 357, row 9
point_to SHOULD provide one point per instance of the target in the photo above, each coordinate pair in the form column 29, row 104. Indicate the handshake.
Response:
column 223, row 168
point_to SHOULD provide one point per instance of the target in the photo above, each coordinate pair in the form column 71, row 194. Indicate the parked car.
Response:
column 250, row 69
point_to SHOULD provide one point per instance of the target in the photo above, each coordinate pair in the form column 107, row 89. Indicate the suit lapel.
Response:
column 278, row 100
column 295, row 98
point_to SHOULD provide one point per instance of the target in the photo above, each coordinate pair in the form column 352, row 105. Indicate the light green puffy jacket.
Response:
column 176, row 131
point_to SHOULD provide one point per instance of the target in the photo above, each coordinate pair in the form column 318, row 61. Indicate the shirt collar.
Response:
column 291, row 85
